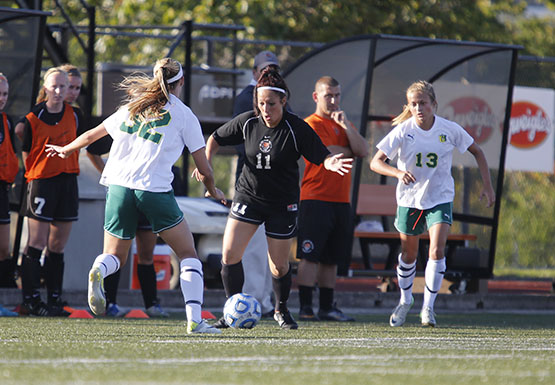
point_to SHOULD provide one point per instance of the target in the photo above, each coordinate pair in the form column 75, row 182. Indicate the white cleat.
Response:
column 399, row 315
column 201, row 328
column 97, row 299
column 427, row 316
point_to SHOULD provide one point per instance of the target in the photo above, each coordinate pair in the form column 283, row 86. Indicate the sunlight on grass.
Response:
column 463, row 349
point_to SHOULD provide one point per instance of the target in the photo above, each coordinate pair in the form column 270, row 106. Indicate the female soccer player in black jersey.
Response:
column 267, row 190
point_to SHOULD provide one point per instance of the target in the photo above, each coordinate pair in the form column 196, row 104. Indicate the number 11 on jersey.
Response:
column 266, row 161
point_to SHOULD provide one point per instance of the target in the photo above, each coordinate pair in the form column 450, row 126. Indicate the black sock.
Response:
column 233, row 278
column 7, row 273
column 282, row 288
column 326, row 298
column 111, row 284
column 305, row 295
column 30, row 274
column 54, row 269
column 147, row 279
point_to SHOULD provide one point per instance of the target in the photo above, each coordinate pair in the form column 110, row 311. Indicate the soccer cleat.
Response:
column 221, row 324
column 56, row 308
column 427, row 316
column 307, row 314
column 97, row 300
column 7, row 313
column 334, row 314
column 285, row 320
column 34, row 307
column 399, row 315
column 113, row 310
column 156, row 311
column 201, row 327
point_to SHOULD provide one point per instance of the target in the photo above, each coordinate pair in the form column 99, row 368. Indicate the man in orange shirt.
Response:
column 325, row 220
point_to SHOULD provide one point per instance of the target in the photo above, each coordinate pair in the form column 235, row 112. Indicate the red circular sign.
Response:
column 474, row 115
column 529, row 126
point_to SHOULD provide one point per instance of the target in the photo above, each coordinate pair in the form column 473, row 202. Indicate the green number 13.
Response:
column 432, row 160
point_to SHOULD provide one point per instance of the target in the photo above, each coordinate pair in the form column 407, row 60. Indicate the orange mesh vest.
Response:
column 9, row 165
column 319, row 183
column 38, row 166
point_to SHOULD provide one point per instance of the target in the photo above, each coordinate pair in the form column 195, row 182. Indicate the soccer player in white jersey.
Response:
column 424, row 143
column 149, row 133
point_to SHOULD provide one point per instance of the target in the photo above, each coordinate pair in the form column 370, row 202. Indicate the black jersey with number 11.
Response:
column 270, row 174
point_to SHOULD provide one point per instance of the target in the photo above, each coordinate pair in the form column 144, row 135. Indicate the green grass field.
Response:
column 470, row 348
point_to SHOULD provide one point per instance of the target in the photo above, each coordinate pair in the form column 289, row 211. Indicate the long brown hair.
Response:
column 418, row 86
column 146, row 96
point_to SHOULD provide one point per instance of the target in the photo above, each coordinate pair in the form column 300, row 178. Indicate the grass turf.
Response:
column 470, row 348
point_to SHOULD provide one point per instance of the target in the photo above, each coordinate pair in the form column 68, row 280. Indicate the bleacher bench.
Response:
column 379, row 200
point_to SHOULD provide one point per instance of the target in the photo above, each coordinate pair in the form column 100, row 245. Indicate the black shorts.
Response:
column 325, row 231
column 4, row 203
column 280, row 221
column 53, row 199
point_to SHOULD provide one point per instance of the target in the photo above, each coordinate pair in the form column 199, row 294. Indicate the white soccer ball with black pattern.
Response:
column 242, row 311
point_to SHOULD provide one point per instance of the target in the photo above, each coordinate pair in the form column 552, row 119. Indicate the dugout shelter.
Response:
column 473, row 83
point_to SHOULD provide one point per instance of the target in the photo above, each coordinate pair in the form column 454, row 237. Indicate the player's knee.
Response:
column 436, row 253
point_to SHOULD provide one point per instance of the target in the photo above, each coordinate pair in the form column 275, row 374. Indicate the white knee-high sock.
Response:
column 405, row 277
column 435, row 270
column 107, row 263
column 192, row 287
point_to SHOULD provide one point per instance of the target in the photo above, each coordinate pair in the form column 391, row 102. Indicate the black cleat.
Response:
column 285, row 320
column 334, row 314
column 307, row 314
column 56, row 309
column 34, row 307
column 221, row 324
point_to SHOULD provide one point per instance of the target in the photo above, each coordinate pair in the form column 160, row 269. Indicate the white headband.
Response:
column 176, row 77
column 272, row 89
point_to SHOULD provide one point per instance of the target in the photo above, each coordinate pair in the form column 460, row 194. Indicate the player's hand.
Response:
column 406, row 177
column 53, row 150
column 218, row 195
column 196, row 174
column 338, row 164
column 489, row 195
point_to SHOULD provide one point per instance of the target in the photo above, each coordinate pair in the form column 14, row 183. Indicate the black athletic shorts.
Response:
column 280, row 221
column 325, row 230
column 4, row 202
column 53, row 199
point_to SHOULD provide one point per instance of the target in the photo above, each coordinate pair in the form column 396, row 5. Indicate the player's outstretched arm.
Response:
column 79, row 142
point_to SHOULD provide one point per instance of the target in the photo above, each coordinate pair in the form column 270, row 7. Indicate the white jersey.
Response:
column 143, row 153
column 428, row 155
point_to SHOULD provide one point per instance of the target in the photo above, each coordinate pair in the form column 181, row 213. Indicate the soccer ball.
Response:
column 242, row 311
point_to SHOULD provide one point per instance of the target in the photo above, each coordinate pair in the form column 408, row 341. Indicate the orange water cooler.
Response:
column 162, row 266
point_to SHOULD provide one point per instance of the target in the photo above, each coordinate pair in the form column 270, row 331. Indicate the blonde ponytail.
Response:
column 146, row 96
